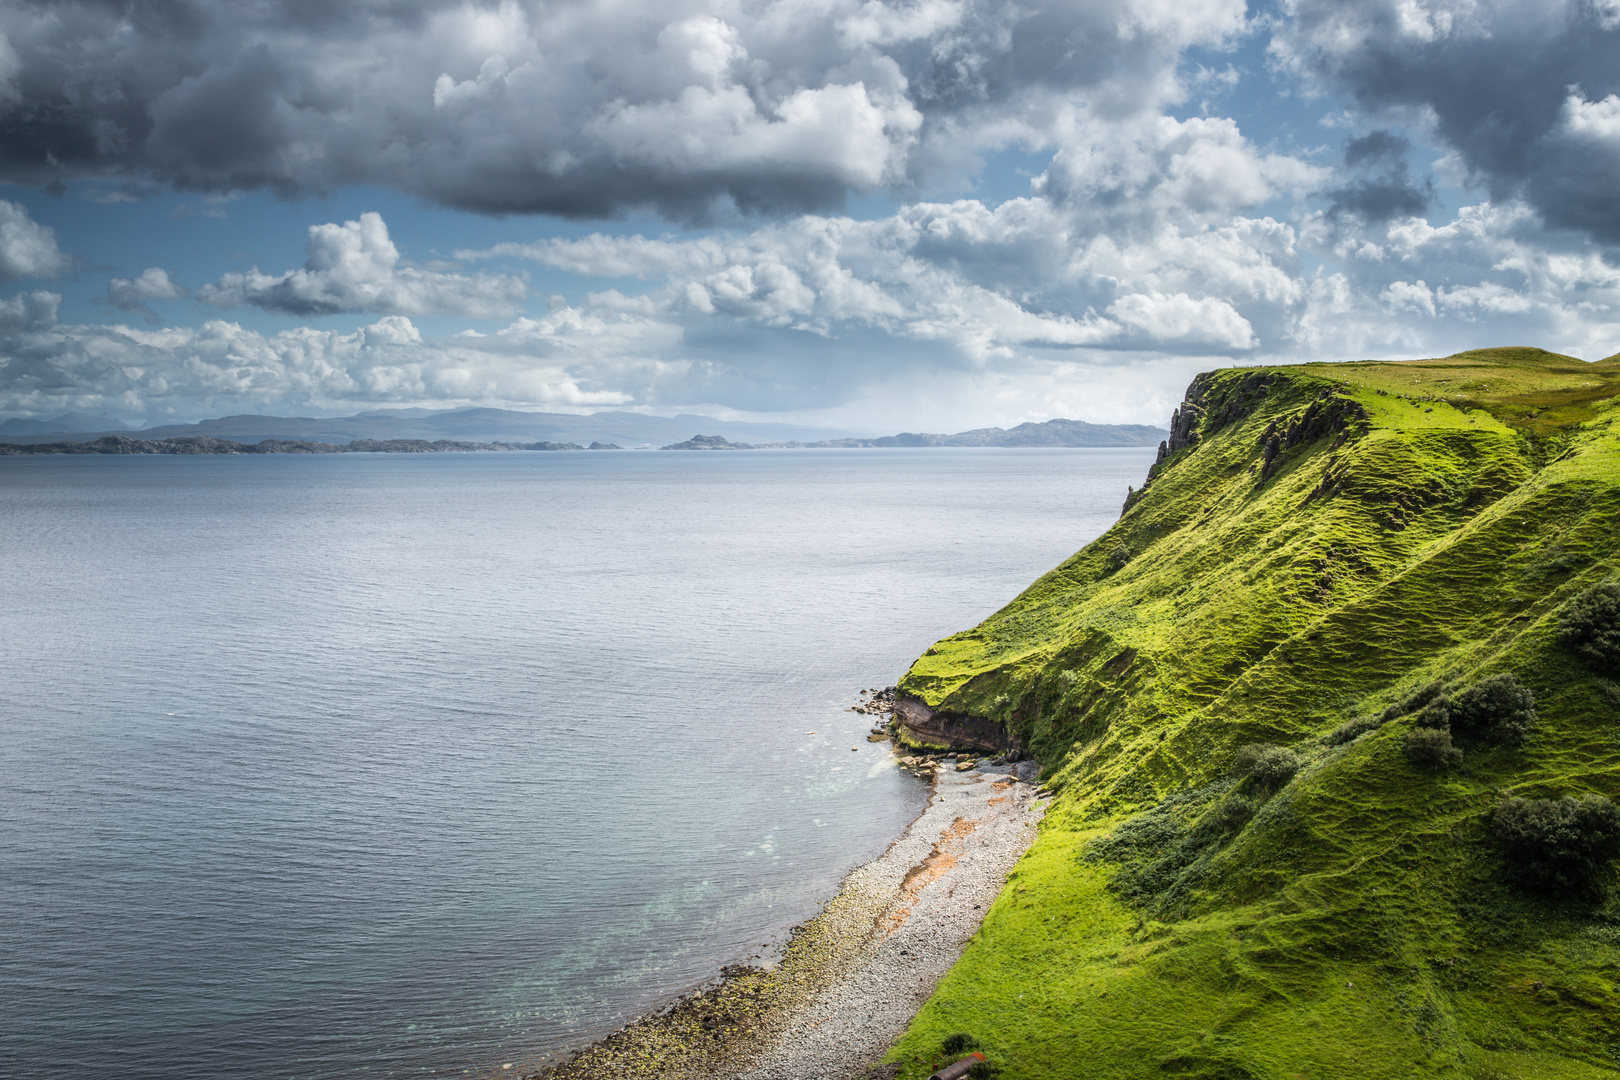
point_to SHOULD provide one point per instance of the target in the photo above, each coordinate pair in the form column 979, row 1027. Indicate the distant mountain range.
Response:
column 462, row 425
column 67, row 423
column 506, row 425
column 1050, row 433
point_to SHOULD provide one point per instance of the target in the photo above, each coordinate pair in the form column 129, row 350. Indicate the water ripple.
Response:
column 312, row 767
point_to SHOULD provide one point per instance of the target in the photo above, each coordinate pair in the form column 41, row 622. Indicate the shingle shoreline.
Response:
column 851, row 978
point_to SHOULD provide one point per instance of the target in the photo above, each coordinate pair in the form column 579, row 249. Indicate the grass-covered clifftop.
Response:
column 1323, row 542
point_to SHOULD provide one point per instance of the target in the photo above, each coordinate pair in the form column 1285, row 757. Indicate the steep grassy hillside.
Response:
column 1322, row 542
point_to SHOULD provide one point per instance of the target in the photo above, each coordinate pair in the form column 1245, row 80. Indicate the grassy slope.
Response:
column 1358, row 923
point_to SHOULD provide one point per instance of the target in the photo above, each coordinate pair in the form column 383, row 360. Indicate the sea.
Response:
column 438, row 765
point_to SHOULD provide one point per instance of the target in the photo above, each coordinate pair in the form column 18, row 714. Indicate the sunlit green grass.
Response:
column 1359, row 923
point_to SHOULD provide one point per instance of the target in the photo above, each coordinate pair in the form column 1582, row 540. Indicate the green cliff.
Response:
column 1317, row 545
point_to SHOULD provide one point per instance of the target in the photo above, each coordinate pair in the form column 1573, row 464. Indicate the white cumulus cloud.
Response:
column 27, row 248
column 153, row 283
column 356, row 267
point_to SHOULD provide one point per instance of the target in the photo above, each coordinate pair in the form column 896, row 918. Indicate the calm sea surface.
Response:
column 417, row 765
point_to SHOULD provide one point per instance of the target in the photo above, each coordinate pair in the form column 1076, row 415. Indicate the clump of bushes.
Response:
column 1428, row 701
column 1417, row 699
column 1165, row 852
column 1435, row 715
column 1351, row 730
column 1431, row 748
column 1269, row 766
column 1118, row 558
column 1557, row 844
column 1590, row 624
column 1233, row 813
column 1496, row 709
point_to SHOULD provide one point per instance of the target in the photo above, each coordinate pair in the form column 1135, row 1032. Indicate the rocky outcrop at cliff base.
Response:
column 939, row 728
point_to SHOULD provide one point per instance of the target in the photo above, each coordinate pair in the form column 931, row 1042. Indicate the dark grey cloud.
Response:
column 1379, row 183
column 574, row 109
column 1522, row 90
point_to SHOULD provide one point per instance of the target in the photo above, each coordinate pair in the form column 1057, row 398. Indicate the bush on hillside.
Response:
column 1428, row 706
column 1163, row 854
column 1118, row 558
column 1555, row 844
column 1414, row 701
column 1431, row 748
column 1233, row 813
column 1268, row 766
column 1351, row 730
column 1590, row 624
column 984, row 1070
column 1436, row 715
column 958, row 1044
column 1496, row 709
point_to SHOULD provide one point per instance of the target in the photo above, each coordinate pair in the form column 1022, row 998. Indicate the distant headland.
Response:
column 1049, row 433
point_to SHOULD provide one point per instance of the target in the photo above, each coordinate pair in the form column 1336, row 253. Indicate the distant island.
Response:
column 1049, row 433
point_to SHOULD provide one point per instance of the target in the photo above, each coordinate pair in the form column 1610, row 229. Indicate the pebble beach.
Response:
column 850, row 979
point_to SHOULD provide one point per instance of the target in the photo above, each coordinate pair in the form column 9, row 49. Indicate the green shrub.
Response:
column 1431, row 748
column 984, row 1070
column 1590, row 624
column 1233, row 813
column 1414, row 701
column 1351, row 730
column 1555, row 844
column 1429, row 702
column 1269, row 766
column 958, row 1044
column 1496, row 709
column 1118, row 558
column 1137, row 838
column 1436, row 715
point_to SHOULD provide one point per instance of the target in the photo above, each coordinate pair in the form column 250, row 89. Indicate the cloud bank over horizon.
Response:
column 1451, row 188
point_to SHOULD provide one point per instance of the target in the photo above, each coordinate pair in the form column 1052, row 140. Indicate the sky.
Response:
column 861, row 214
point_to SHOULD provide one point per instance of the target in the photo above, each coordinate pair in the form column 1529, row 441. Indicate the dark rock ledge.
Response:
column 942, row 728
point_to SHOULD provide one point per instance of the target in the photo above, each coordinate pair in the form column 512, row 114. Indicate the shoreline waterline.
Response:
column 850, row 978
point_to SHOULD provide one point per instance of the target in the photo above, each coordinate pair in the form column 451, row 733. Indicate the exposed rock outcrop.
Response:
column 940, row 728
